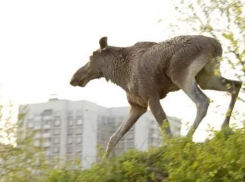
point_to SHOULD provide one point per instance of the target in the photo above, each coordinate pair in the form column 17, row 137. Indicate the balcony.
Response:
column 46, row 126
column 46, row 144
column 47, row 117
column 37, row 118
column 46, row 135
column 37, row 136
column 37, row 127
column 48, row 152
column 37, row 143
column 42, row 135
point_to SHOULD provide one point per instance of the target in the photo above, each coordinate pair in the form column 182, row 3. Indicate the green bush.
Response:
column 221, row 158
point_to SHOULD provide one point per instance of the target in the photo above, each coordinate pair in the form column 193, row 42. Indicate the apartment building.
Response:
column 75, row 129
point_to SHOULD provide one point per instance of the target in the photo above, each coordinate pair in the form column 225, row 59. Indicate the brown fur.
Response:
column 148, row 71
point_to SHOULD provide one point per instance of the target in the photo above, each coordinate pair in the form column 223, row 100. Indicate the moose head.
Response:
column 93, row 69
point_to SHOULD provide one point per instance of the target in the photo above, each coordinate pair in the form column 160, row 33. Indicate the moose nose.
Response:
column 73, row 81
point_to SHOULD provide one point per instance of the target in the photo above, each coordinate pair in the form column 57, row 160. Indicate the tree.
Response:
column 221, row 19
column 20, row 159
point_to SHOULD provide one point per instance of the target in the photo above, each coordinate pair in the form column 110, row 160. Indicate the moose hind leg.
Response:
column 234, row 91
column 199, row 98
column 218, row 83
column 185, row 65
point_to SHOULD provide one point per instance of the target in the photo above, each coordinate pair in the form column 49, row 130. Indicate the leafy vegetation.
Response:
column 221, row 158
column 20, row 159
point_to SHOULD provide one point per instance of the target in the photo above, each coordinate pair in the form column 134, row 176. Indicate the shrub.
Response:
column 221, row 158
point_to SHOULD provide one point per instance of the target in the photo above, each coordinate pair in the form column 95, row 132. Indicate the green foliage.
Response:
column 62, row 175
column 221, row 158
column 20, row 159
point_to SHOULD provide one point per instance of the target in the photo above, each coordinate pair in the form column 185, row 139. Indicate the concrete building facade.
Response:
column 75, row 129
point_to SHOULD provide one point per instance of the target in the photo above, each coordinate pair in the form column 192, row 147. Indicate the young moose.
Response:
column 148, row 71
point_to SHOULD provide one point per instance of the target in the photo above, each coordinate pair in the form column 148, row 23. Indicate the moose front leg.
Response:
column 159, row 114
column 135, row 112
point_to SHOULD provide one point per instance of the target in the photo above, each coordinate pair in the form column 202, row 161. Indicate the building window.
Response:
column 56, row 149
column 30, row 125
column 121, row 119
column 57, row 114
column 47, row 112
column 120, row 145
column 79, row 113
column 30, row 116
column 57, row 122
column 70, row 157
column 56, row 140
column 46, row 122
column 70, row 131
column 118, row 152
column 47, row 140
column 103, row 119
column 129, row 144
column 70, row 122
column 103, row 136
column 37, row 142
column 79, row 122
column 130, row 135
column 56, row 131
column 78, row 149
column 155, row 141
column 69, row 149
column 70, row 114
column 70, row 140
column 111, row 120
column 46, row 131
column 79, row 139
column 78, row 131
column 37, row 118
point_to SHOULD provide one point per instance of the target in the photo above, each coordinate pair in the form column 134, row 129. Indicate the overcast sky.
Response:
column 43, row 42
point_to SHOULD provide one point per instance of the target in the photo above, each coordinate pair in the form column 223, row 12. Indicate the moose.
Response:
column 148, row 71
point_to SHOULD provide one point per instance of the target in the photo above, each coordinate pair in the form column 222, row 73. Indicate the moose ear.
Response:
column 103, row 43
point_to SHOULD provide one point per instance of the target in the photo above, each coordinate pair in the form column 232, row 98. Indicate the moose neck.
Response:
column 116, row 68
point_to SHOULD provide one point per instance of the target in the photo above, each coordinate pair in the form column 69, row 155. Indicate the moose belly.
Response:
column 133, row 99
column 165, row 85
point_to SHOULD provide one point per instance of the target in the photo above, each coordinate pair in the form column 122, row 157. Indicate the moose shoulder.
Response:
column 148, row 71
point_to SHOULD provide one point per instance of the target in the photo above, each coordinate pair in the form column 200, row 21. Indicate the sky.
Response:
column 43, row 42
